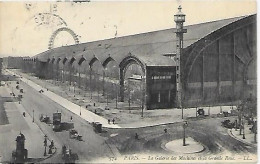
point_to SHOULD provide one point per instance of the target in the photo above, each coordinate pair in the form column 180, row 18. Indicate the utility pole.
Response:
column 179, row 19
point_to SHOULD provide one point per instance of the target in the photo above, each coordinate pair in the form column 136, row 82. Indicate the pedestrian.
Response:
column 52, row 144
column 23, row 114
column 113, row 121
column 50, row 150
column 94, row 104
column 71, row 118
column 165, row 130
column 108, row 121
column 136, row 136
column 63, row 149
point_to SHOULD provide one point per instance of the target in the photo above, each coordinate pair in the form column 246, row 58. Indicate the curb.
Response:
column 229, row 131
column 195, row 152
column 44, row 157
column 105, row 126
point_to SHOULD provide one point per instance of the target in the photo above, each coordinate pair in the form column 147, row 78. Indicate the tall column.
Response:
column 179, row 18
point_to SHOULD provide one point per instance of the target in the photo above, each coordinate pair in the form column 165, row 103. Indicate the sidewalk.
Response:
column 249, row 136
column 74, row 108
column 123, row 118
column 191, row 147
column 19, row 124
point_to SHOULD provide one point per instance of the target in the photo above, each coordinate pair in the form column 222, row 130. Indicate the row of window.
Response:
column 161, row 77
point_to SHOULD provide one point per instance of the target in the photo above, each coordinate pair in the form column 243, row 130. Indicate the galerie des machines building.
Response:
column 203, row 64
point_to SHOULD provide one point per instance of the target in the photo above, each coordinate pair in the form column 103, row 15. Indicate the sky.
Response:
column 26, row 28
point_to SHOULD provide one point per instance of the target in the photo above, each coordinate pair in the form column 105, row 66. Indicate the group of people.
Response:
column 112, row 121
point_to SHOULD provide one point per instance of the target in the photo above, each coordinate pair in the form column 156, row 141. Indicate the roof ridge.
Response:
column 142, row 33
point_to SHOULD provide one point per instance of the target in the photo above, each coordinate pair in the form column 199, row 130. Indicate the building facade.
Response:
column 218, row 63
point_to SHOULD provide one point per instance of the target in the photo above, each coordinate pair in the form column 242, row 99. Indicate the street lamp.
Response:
column 33, row 115
column 185, row 125
column 45, row 144
column 80, row 110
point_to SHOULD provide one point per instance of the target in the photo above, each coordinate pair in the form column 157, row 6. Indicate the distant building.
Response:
column 12, row 62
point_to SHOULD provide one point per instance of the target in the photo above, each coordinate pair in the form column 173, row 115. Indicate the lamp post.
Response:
column 80, row 110
column 45, row 144
column 33, row 115
column 179, row 19
column 185, row 125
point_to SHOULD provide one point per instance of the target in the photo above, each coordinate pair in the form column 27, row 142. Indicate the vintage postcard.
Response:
column 128, row 81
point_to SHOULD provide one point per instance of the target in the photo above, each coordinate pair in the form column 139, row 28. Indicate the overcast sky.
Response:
column 23, row 32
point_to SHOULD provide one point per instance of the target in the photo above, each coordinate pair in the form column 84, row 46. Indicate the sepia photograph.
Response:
column 85, row 81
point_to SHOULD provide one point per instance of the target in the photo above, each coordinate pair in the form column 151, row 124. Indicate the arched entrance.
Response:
column 132, row 69
column 111, row 79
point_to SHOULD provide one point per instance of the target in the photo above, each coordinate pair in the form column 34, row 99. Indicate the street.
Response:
column 92, row 146
column 114, row 142
column 208, row 132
